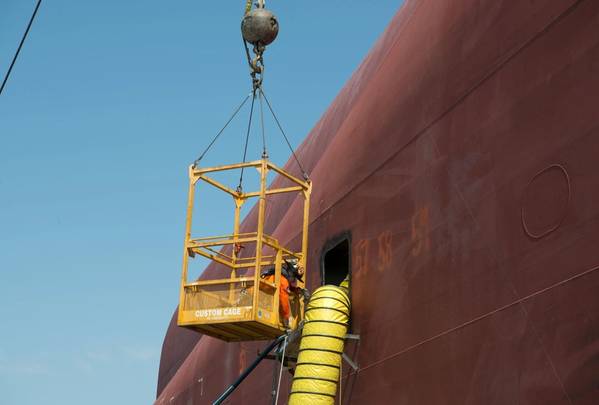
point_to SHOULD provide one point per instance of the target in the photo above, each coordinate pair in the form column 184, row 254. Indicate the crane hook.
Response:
column 260, row 28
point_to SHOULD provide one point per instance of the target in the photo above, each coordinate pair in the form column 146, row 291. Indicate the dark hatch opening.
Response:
column 336, row 262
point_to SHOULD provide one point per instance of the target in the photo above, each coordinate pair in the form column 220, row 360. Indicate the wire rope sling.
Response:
column 253, row 289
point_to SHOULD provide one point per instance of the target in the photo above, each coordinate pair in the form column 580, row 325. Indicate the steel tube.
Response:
column 248, row 370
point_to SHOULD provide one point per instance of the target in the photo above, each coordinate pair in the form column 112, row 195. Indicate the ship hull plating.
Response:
column 462, row 161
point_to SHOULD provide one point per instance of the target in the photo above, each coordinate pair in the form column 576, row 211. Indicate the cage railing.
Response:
column 234, row 301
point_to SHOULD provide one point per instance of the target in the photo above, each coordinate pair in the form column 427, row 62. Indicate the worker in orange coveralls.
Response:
column 290, row 273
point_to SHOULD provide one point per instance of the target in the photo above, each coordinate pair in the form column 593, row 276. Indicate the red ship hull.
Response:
column 462, row 159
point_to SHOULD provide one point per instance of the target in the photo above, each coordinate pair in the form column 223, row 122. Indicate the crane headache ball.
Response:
column 259, row 27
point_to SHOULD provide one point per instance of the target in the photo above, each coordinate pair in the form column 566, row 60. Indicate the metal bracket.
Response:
column 349, row 361
column 278, row 358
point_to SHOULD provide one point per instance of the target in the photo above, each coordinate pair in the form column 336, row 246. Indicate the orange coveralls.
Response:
column 284, row 308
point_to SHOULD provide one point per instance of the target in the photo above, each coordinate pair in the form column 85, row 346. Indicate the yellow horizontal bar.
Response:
column 230, row 236
column 283, row 173
column 219, row 253
column 225, row 236
column 276, row 246
column 269, row 238
column 242, row 265
column 218, row 185
column 222, row 281
column 214, row 258
column 253, row 264
column 274, row 191
column 197, row 249
column 221, row 242
column 199, row 172
column 253, row 258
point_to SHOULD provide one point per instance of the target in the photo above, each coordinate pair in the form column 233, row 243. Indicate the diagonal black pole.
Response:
column 14, row 59
column 247, row 372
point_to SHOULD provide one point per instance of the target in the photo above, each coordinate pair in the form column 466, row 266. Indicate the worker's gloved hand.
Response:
column 306, row 295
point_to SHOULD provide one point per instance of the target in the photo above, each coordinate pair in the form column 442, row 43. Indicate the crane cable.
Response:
column 14, row 59
column 257, row 75
column 197, row 161
column 247, row 140
column 304, row 173
column 258, row 92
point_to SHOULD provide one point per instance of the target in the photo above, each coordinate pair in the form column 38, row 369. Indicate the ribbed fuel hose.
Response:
column 321, row 347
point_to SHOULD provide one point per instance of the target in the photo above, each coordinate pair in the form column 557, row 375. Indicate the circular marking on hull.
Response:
column 546, row 200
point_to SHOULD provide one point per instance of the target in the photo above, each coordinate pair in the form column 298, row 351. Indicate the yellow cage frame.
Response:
column 248, row 323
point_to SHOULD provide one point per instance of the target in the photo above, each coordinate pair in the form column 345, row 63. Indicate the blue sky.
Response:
column 108, row 104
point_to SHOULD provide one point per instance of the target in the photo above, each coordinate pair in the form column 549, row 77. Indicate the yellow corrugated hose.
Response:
column 321, row 348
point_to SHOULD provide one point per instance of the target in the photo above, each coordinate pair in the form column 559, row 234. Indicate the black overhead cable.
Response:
column 284, row 135
column 14, row 59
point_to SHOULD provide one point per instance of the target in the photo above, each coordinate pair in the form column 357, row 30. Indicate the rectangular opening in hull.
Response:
column 336, row 261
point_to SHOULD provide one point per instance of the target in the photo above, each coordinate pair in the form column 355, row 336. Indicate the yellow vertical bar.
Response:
column 260, row 233
column 238, row 203
column 276, row 298
column 305, row 227
column 190, row 200
column 304, row 261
